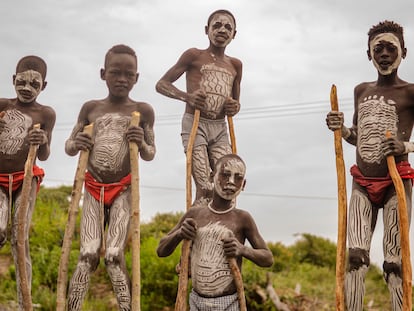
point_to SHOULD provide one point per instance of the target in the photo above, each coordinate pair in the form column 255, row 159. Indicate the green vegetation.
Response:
column 309, row 263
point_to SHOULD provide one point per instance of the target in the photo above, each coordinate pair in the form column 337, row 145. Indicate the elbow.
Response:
column 161, row 252
column 269, row 262
column 159, row 86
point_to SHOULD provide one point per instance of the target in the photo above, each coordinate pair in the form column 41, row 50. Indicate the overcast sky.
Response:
column 292, row 52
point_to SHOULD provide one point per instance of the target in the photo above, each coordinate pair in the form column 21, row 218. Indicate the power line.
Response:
column 254, row 113
column 245, row 193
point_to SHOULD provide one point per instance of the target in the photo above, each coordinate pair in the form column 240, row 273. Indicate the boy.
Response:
column 381, row 105
column 213, row 87
column 16, row 135
column 107, row 199
column 218, row 230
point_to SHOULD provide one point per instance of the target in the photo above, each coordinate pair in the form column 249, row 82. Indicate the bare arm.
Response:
column 43, row 136
column 185, row 229
column 147, row 148
column 259, row 253
column 165, row 85
column 78, row 140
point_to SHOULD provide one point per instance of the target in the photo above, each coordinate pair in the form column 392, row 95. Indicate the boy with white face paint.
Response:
column 18, row 115
column 212, row 87
column 386, row 104
column 218, row 231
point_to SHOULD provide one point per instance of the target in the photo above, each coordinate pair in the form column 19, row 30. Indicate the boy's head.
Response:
column 386, row 36
column 120, row 49
column 120, row 71
column 29, row 79
column 221, row 27
column 229, row 176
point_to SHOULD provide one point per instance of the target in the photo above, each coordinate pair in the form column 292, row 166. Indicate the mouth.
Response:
column 26, row 94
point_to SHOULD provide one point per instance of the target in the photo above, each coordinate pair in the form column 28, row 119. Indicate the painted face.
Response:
column 386, row 52
column 221, row 30
column 120, row 74
column 28, row 84
column 229, row 178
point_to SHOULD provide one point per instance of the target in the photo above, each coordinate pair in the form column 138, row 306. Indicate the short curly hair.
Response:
column 387, row 26
column 120, row 49
column 32, row 62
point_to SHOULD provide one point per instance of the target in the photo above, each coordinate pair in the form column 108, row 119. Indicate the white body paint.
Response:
column 210, row 271
column 15, row 131
column 217, row 82
column 389, row 37
column 110, row 145
column 26, row 78
column 375, row 117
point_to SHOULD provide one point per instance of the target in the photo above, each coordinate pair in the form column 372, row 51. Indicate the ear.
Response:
column 244, row 185
column 103, row 74
column 404, row 53
column 235, row 31
column 206, row 29
column 211, row 177
column 369, row 54
column 14, row 79
column 44, row 85
column 136, row 77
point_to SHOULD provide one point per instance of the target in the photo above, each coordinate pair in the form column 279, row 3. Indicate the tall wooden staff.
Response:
column 232, row 135
column 22, row 216
column 135, row 220
column 342, row 211
column 181, row 301
column 70, row 225
column 404, row 231
column 238, row 279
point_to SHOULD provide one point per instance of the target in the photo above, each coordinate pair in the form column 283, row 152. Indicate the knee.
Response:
column 114, row 258
column 91, row 259
column 3, row 237
column 391, row 268
column 358, row 258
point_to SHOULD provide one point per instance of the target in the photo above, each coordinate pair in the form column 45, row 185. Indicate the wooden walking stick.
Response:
column 135, row 220
column 21, row 232
column 70, row 225
column 404, row 231
column 232, row 135
column 232, row 261
column 181, row 300
column 342, row 211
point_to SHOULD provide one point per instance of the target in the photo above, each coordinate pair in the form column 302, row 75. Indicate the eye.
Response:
column 228, row 27
column 20, row 82
column 35, row 84
column 114, row 72
column 378, row 48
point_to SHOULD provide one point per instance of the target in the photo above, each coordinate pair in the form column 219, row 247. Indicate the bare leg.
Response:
column 117, row 235
column 201, row 172
column 392, row 250
column 4, row 216
column 15, row 226
column 362, row 221
column 90, row 239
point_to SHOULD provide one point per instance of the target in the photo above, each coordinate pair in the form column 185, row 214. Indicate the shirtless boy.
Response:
column 218, row 230
column 381, row 105
column 107, row 199
column 213, row 87
column 16, row 136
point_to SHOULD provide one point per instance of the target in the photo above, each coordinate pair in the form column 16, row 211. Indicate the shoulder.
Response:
column 237, row 63
column 362, row 87
column 4, row 103
column 243, row 215
column 146, row 111
column 48, row 111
